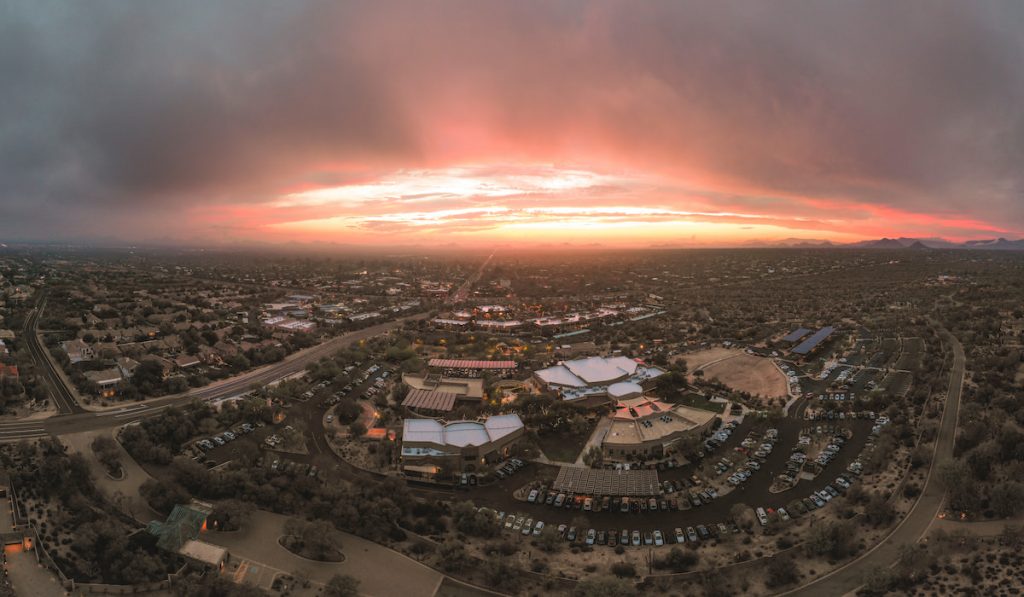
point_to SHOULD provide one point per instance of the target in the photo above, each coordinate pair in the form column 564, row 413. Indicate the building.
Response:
column 814, row 341
column 180, row 534
column 78, row 351
column 435, row 449
column 471, row 368
column 647, row 429
column 106, row 380
column 435, row 394
column 598, row 380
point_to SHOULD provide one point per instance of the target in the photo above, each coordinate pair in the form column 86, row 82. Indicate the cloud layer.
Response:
column 369, row 121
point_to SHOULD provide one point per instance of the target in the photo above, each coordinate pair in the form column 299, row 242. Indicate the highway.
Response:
column 462, row 293
column 82, row 420
column 851, row 576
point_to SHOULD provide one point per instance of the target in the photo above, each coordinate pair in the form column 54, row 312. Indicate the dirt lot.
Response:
column 755, row 375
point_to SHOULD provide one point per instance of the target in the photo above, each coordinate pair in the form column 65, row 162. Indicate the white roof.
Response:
column 596, row 370
column 203, row 552
column 560, row 376
column 423, row 430
column 625, row 389
column 499, row 426
column 460, row 433
column 465, row 433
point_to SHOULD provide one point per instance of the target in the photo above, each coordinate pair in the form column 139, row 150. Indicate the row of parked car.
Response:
column 290, row 466
column 720, row 436
column 227, row 436
column 694, row 534
column 823, row 415
column 509, row 468
column 624, row 505
column 838, row 487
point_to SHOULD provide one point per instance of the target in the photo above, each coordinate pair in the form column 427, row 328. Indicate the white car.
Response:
column 658, row 539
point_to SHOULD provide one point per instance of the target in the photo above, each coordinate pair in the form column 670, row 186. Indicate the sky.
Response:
column 510, row 123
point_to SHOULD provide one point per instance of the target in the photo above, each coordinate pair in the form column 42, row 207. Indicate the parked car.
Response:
column 680, row 536
column 658, row 539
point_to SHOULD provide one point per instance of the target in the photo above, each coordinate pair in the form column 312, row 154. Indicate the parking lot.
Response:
column 754, row 492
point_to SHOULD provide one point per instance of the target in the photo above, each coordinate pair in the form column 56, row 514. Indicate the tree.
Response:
column 1007, row 498
column 623, row 570
column 605, row 586
column 342, row 585
column 107, row 452
column 677, row 560
column 357, row 429
column 469, row 520
column 782, row 571
column 231, row 515
column 878, row 510
column 740, row 514
column 959, row 483
column 593, row 457
column 163, row 496
column 316, row 539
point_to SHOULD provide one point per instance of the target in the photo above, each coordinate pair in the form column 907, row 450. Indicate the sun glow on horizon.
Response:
column 541, row 203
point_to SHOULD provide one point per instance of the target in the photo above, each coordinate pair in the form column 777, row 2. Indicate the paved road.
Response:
column 381, row 571
column 85, row 421
column 916, row 523
column 462, row 292
column 63, row 396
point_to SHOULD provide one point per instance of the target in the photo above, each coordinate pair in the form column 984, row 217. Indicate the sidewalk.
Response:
column 596, row 437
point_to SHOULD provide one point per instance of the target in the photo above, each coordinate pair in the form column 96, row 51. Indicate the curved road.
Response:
column 851, row 576
column 226, row 388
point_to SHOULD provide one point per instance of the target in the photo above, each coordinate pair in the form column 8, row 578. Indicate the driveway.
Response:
column 851, row 576
column 381, row 571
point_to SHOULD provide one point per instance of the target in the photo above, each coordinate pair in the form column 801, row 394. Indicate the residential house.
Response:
column 78, row 351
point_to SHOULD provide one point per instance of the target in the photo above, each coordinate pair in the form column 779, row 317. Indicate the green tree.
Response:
column 605, row 586
column 342, row 585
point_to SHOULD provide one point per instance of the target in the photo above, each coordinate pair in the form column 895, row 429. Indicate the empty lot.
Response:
column 740, row 371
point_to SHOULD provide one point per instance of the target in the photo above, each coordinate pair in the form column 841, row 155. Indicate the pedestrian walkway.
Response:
column 596, row 438
column 29, row 577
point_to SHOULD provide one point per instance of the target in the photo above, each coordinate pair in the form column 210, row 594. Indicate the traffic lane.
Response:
column 754, row 493
column 86, row 421
column 913, row 526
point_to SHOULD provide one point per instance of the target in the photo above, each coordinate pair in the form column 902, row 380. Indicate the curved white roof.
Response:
column 597, row 370
column 624, row 389
column 460, row 433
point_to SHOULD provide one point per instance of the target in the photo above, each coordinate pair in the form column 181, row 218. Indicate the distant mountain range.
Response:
column 997, row 244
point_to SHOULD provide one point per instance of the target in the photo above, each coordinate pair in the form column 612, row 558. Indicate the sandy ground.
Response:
column 755, row 375
column 699, row 359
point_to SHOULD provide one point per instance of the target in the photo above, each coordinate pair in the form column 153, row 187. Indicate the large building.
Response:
column 432, row 448
column 647, row 429
column 598, row 380
column 435, row 394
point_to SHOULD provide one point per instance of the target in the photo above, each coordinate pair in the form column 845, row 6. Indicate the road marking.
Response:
column 143, row 413
column 122, row 411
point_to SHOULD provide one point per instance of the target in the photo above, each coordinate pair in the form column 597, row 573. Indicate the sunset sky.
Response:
column 515, row 123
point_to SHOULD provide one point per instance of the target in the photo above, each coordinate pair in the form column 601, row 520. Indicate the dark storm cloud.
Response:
column 123, row 114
